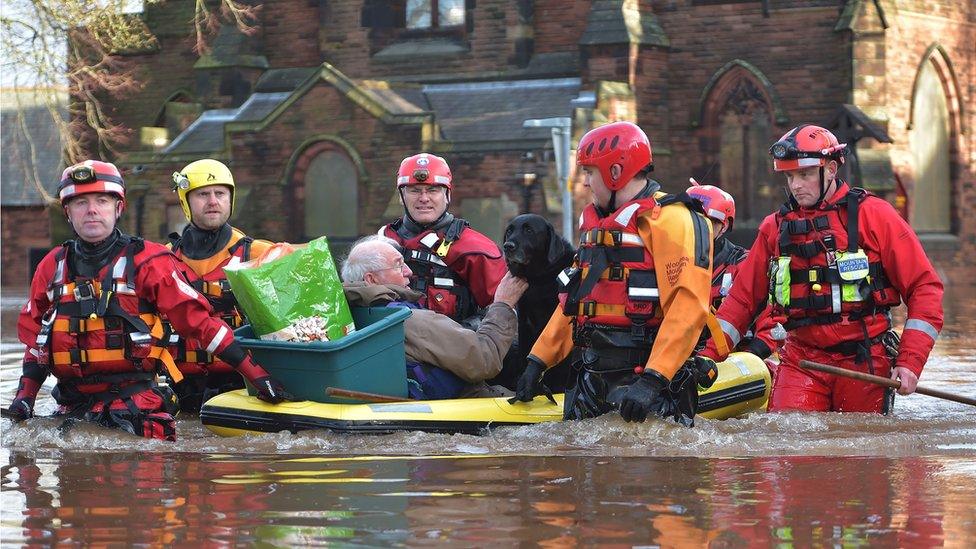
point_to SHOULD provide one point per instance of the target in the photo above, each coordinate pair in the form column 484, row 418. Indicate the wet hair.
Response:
column 365, row 257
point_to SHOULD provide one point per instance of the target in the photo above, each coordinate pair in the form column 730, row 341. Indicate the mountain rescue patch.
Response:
column 674, row 269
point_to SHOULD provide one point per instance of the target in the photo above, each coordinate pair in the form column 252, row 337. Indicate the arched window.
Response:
column 331, row 191
column 745, row 167
column 737, row 113
column 931, row 146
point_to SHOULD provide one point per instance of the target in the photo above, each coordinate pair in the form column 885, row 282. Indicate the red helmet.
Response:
column 719, row 205
column 424, row 169
column 620, row 149
column 806, row 146
column 91, row 176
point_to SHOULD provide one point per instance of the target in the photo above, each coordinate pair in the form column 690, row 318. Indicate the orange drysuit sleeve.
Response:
column 681, row 242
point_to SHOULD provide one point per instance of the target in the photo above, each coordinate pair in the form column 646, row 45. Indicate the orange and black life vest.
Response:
column 98, row 331
column 207, row 277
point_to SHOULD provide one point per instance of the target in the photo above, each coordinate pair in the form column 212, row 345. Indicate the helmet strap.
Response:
column 823, row 187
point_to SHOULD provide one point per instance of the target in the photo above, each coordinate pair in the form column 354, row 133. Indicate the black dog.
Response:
column 534, row 251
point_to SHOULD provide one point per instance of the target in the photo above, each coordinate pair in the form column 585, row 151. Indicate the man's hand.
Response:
column 641, row 396
column 510, row 289
column 907, row 378
column 271, row 390
column 530, row 383
column 268, row 388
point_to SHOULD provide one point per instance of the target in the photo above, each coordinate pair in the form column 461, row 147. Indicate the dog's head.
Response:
column 533, row 248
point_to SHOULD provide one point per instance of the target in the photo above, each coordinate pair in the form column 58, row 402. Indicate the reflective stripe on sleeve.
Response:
column 730, row 331
column 922, row 326
column 215, row 342
column 184, row 287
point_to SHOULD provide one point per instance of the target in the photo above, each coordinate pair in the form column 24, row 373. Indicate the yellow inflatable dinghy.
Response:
column 742, row 386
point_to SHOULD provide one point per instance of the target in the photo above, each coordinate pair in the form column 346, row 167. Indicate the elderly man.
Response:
column 444, row 359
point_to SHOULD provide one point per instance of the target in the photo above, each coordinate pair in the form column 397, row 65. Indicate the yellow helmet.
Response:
column 202, row 173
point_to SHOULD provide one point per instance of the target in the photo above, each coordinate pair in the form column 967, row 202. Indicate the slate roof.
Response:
column 206, row 134
column 494, row 111
column 17, row 165
column 620, row 22
column 469, row 112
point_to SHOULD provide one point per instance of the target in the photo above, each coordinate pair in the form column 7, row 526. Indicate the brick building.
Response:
column 30, row 167
column 314, row 110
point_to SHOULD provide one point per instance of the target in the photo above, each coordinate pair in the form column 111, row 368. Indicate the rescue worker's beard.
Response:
column 197, row 243
column 87, row 258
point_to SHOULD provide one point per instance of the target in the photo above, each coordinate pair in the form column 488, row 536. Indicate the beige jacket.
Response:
column 433, row 338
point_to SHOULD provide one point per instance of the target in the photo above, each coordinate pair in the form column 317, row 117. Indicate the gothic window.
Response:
column 737, row 132
column 929, row 140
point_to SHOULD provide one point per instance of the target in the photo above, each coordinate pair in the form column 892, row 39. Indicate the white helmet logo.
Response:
column 423, row 161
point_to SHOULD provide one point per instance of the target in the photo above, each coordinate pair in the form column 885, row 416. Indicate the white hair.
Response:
column 365, row 257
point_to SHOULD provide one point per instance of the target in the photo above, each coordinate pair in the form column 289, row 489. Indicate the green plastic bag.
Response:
column 293, row 297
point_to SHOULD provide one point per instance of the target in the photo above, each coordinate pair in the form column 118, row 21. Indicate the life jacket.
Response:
column 191, row 356
column 724, row 266
column 428, row 382
column 98, row 335
column 429, row 255
column 612, row 283
column 819, row 274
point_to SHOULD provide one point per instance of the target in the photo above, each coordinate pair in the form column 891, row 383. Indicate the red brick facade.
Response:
column 699, row 71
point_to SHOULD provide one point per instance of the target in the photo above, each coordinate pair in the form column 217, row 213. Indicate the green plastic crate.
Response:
column 370, row 360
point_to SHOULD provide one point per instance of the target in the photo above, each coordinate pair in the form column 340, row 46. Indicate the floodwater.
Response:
column 780, row 480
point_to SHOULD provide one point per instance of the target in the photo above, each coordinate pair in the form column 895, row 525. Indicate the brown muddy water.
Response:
column 780, row 480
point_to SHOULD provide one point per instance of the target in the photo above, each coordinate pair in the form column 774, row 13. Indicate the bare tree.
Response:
column 78, row 46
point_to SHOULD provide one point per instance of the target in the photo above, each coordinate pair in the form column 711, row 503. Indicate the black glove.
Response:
column 22, row 406
column 269, row 389
column 757, row 347
column 20, row 409
column 706, row 371
column 641, row 396
column 530, row 382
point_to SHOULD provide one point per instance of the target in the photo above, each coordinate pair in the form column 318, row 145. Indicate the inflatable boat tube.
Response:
column 742, row 386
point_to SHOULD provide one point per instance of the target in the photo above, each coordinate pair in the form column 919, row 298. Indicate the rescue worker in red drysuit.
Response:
column 457, row 269
column 727, row 256
column 92, row 318
column 833, row 260
column 636, row 298
column 207, row 244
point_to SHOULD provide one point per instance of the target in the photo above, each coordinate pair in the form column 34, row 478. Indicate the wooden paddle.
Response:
column 359, row 395
column 887, row 382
